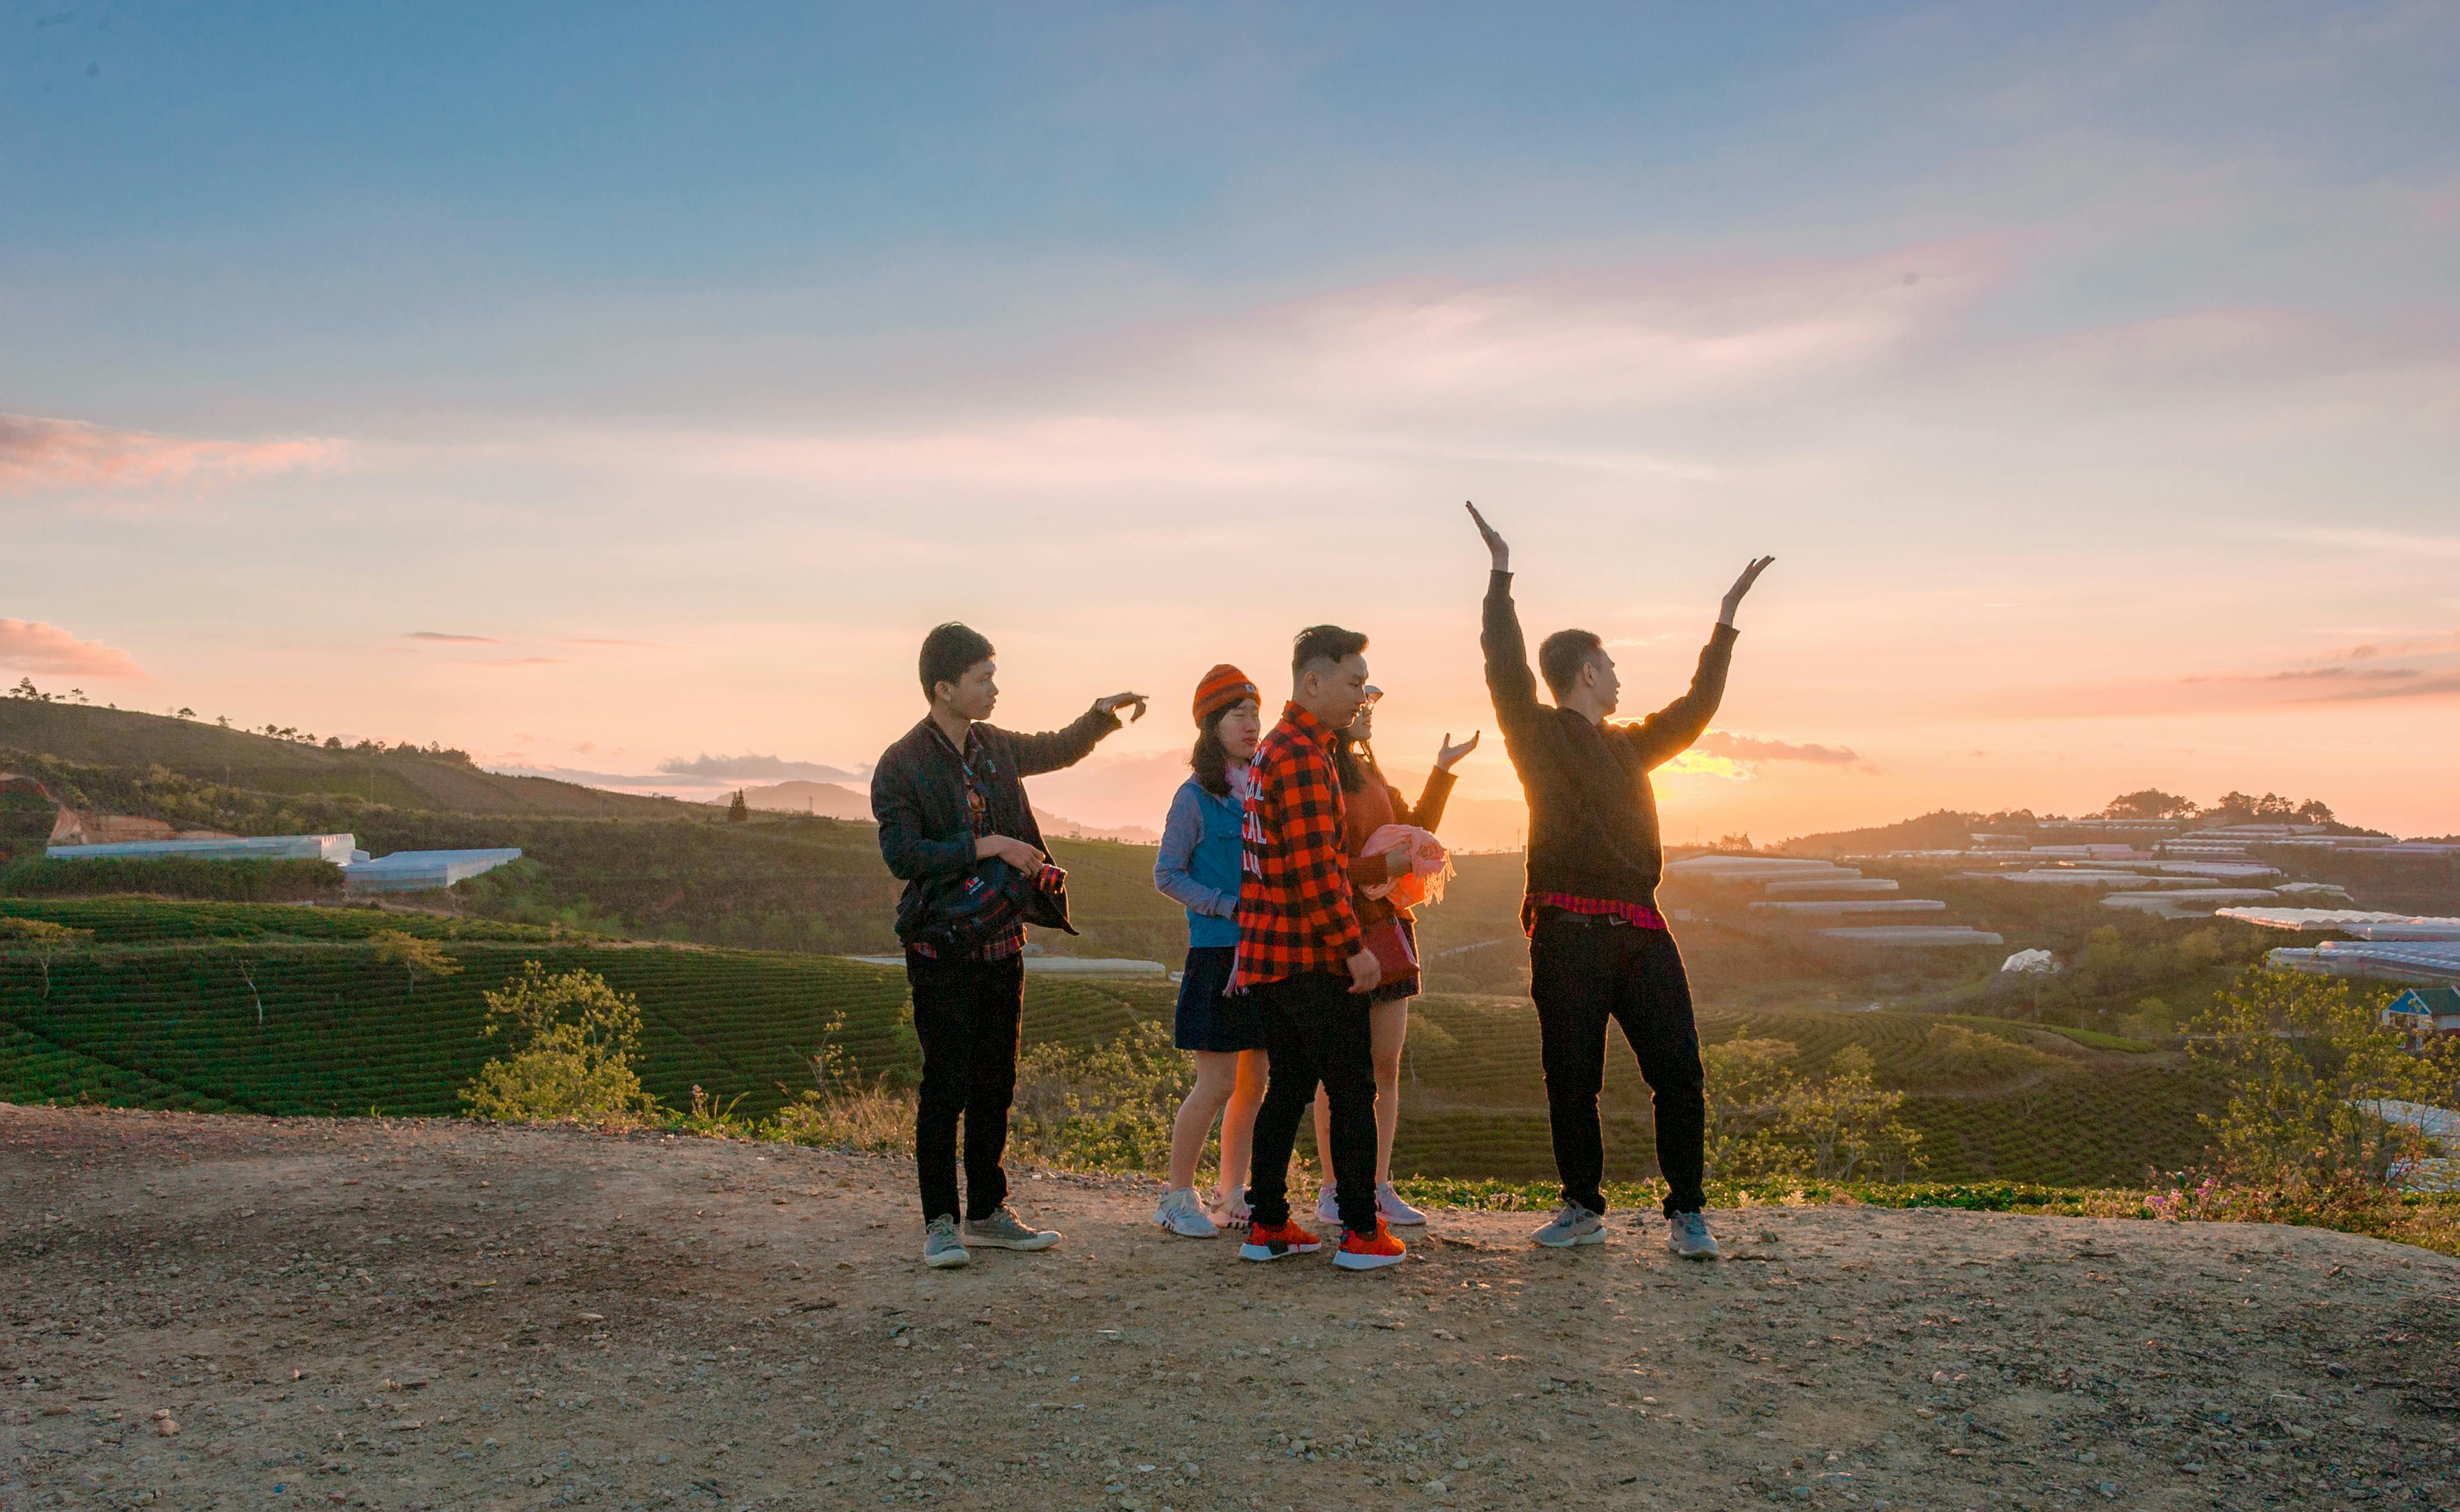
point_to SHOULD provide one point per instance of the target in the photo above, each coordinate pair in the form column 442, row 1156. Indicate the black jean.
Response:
column 1316, row 1030
column 1582, row 973
column 967, row 1015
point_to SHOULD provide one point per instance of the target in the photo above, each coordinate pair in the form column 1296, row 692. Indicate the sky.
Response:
column 623, row 390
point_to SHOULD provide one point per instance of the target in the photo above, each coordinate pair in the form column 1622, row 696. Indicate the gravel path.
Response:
column 200, row 1312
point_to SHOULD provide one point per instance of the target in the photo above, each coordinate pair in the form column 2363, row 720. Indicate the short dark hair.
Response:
column 1561, row 655
column 948, row 651
column 1328, row 643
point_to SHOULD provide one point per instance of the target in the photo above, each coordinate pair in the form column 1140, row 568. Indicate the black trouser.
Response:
column 1584, row 971
column 1315, row 1030
column 966, row 1013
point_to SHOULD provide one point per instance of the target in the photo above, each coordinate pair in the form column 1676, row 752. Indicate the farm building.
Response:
column 2422, row 1012
column 402, row 871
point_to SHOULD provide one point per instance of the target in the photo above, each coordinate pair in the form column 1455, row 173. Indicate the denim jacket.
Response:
column 1199, row 866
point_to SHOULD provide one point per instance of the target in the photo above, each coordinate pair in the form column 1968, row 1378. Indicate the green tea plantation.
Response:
column 288, row 1009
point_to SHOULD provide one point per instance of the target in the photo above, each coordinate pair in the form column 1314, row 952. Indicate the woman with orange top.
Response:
column 1372, row 803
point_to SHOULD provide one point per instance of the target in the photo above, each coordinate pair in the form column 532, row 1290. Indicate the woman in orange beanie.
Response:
column 1200, row 868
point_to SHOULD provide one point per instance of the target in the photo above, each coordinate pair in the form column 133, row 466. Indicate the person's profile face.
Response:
column 1363, row 728
column 975, row 695
column 1346, row 694
column 1600, row 676
column 1239, row 728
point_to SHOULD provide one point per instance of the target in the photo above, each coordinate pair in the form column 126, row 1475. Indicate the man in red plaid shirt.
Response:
column 1302, row 957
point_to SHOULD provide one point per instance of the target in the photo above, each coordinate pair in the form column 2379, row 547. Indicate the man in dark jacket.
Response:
column 1598, row 946
column 954, row 824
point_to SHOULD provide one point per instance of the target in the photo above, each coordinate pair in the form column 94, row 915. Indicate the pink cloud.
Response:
column 31, row 645
column 1751, row 748
column 39, row 454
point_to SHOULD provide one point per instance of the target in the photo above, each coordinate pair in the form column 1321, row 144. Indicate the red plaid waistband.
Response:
column 1639, row 915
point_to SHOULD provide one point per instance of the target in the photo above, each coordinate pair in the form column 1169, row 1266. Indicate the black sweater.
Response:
column 918, row 795
column 1592, row 813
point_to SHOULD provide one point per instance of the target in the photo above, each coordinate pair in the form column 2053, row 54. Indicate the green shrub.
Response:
column 1105, row 1108
column 571, row 1040
column 2309, row 1061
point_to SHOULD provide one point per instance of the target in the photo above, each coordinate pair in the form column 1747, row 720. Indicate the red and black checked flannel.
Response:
column 1639, row 915
column 1294, row 911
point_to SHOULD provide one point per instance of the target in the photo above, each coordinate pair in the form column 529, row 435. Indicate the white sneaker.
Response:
column 1327, row 1205
column 1233, row 1212
column 1688, row 1235
column 1179, row 1213
column 1395, row 1212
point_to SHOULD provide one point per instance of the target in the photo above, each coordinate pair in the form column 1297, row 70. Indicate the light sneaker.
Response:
column 1001, row 1230
column 1390, row 1207
column 1179, row 1214
column 1327, row 1205
column 1688, row 1235
column 941, row 1245
column 1233, row 1213
column 1572, row 1224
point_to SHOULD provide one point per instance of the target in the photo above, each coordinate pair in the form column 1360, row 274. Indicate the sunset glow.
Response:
column 600, row 397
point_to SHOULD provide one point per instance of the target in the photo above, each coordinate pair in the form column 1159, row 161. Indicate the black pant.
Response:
column 1582, row 973
column 1315, row 1030
column 966, row 1013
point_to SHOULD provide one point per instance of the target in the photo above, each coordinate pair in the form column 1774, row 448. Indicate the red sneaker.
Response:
column 1277, row 1243
column 1369, row 1252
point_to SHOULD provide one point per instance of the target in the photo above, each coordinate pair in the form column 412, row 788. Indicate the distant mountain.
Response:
column 836, row 800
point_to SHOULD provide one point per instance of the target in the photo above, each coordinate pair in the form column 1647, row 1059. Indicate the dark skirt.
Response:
column 1208, row 1017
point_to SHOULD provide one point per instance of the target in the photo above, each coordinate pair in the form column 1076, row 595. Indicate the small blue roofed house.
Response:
column 2422, row 1012
column 402, row 871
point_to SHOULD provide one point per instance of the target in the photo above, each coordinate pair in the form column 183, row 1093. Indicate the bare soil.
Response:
column 253, row 1314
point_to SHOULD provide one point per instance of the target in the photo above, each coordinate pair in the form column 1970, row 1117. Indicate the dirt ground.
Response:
column 243, row 1312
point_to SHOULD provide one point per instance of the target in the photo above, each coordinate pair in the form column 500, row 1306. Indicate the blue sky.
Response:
column 2091, row 370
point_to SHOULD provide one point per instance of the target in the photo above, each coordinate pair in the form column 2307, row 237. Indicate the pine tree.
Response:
column 737, row 811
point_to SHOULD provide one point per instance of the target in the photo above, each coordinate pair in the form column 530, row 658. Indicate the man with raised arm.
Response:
column 955, row 828
column 1598, row 946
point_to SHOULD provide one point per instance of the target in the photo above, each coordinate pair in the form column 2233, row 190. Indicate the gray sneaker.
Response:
column 1688, row 1235
column 1181, row 1214
column 1571, row 1224
column 1327, row 1205
column 941, row 1245
column 1001, row 1230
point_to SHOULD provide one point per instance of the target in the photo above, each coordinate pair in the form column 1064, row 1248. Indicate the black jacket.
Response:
column 918, row 795
column 1592, row 813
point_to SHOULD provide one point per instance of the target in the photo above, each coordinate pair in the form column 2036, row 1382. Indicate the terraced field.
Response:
column 287, row 1010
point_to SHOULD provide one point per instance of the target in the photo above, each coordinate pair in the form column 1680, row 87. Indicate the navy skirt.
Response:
column 1208, row 1017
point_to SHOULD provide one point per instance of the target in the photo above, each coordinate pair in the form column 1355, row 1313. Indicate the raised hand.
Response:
column 1498, row 553
column 1112, row 703
column 1742, row 586
column 1448, row 753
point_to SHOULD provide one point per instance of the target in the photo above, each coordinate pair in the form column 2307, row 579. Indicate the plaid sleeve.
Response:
column 1319, row 861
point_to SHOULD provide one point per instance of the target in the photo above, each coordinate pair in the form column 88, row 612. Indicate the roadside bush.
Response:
column 571, row 1040
column 1107, row 1108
